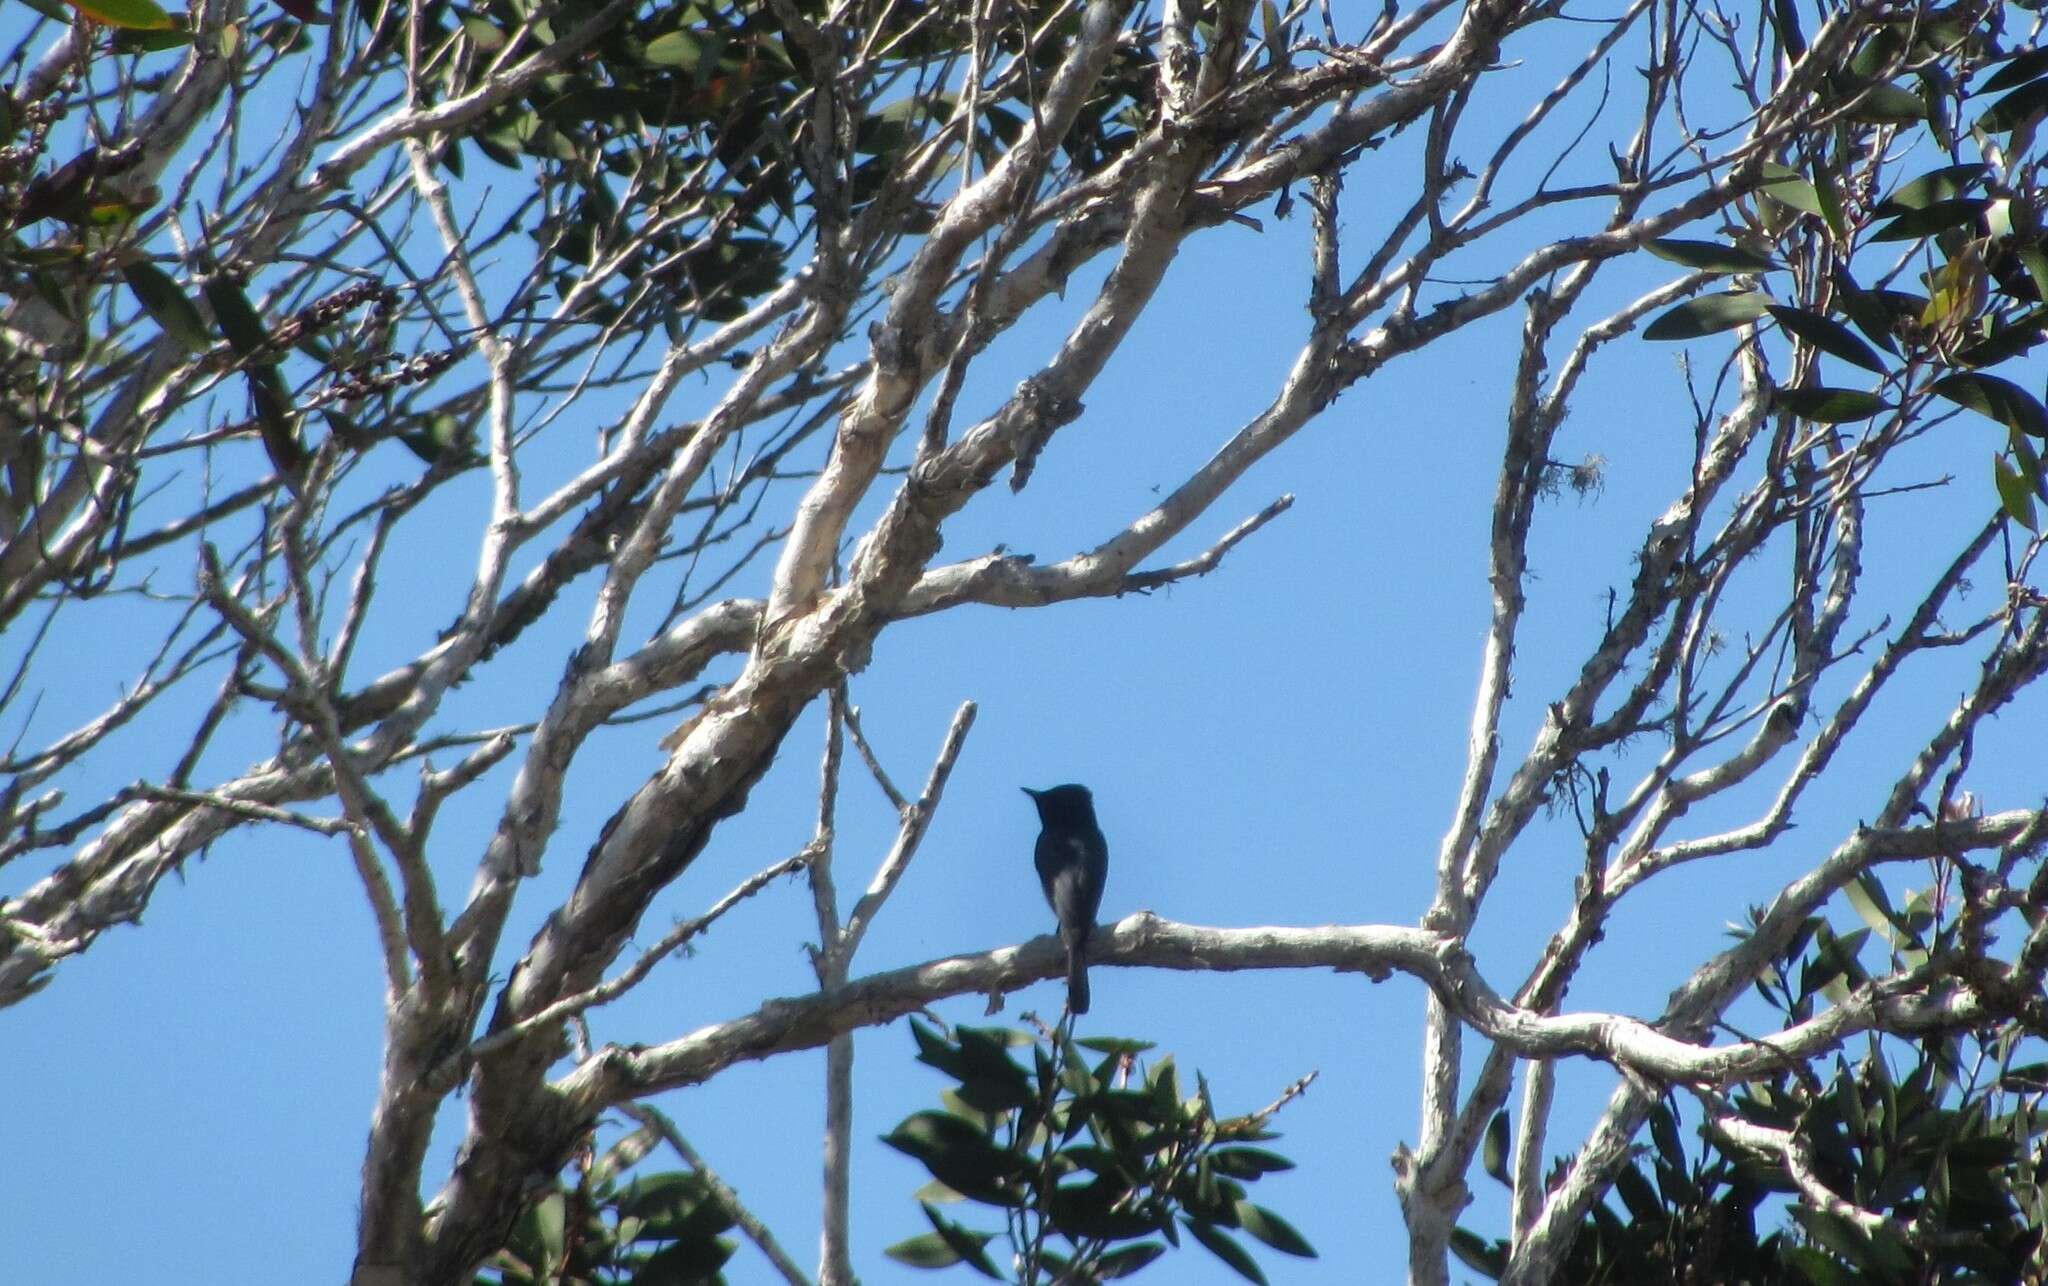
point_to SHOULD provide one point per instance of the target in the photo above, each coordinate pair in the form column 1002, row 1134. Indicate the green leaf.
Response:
column 666, row 1199
column 2014, row 110
column 1274, row 1231
column 1164, row 1078
column 2036, row 264
column 1126, row 1260
column 1871, row 56
column 1871, row 903
column 443, row 438
column 2001, row 399
column 1005, row 124
column 546, row 1221
column 1938, row 95
column 484, row 34
column 965, row 1243
column 993, row 1095
column 1708, row 314
column 1247, row 1163
column 1788, row 186
column 2014, row 493
column 1115, row 1045
column 983, row 1119
column 2006, row 340
column 1839, row 953
column 1130, row 1105
column 1099, row 1211
column 1830, row 405
column 1074, row 1074
column 1816, row 1268
column 676, row 49
column 276, row 420
column 1830, row 199
column 1637, row 1194
column 1944, row 184
column 934, row 1050
column 893, row 128
column 2028, row 461
column 2018, row 70
column 1828, row 335
column 958, row 1155
column 1222, row 1245
column 1888, row 104
column 134, row 15
column 1664, row 1132
column 1098, row 1160
column 2027, row 1078
column 499, row 143
column 1935, row 216
column 1817, row 973
column 1836, row 1234
column 173, row 310
column 1277, row 36
column 1709, row 256
column 238, row 319
column 990, row 1042
column 990, row 1080
column 924, row 1250
column 1478, row 1254
column 151, row 40
column 1848, row 1098
column 685, row 1263
column 625, row 1154
column 1865, row 308
column 1784, row 18
column 1494, row 1148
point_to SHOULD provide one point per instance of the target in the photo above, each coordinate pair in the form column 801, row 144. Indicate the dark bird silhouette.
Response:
column 1073, row 862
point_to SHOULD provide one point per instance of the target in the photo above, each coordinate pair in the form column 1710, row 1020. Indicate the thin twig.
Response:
column 748, row 1222
column 672, row 941
column 250, row 809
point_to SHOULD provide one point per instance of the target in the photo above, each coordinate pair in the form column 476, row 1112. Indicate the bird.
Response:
column 1073, row 861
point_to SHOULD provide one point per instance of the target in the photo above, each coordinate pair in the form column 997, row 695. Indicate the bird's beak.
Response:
column 1027, row 790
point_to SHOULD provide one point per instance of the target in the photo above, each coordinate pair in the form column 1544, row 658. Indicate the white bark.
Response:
column 818, row 378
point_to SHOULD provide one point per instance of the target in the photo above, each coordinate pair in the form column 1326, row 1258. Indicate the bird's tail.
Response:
column 1077, row 975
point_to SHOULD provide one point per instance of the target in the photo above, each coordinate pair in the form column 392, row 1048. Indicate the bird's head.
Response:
column 1063, row 803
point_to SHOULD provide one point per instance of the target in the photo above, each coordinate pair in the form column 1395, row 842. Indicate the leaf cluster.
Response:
column 681, row 153
column 1937, row 1143
column 1109, row 1160
column 1921, row 282
column 659, row 1229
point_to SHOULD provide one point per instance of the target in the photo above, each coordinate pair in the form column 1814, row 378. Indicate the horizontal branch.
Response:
column 1439, row 960
column 808, row 1022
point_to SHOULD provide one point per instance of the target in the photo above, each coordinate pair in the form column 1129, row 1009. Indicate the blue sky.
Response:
column 1278, row 743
